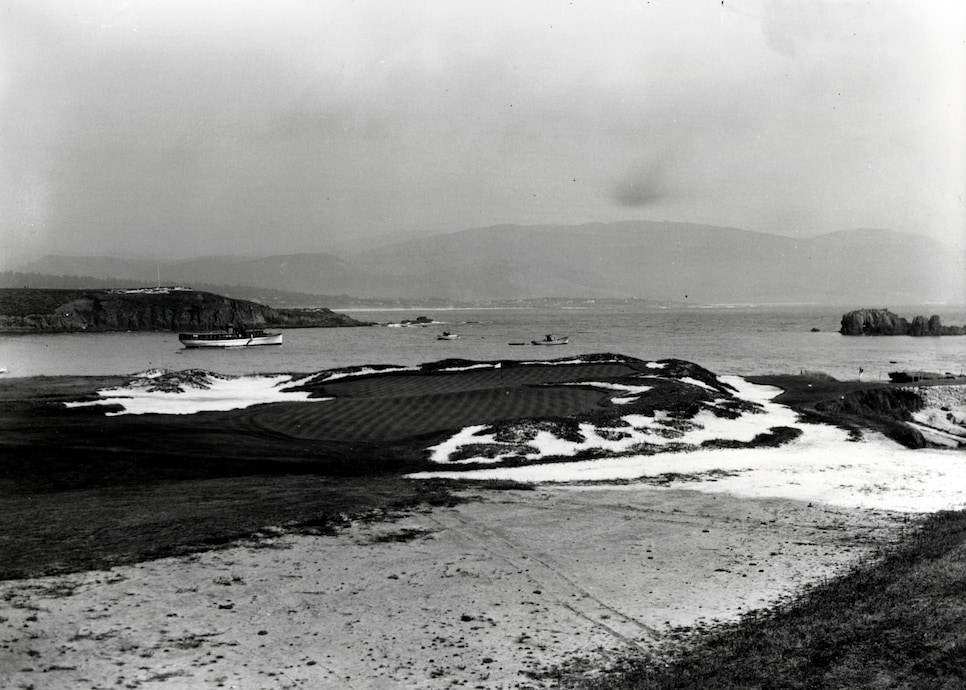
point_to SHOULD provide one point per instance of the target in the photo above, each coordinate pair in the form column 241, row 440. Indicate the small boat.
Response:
column 446, row 335
column 551, row 339
column 231, row 338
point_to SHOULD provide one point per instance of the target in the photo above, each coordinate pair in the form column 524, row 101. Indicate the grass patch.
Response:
column 503, row 485
column 851, row 405
column 896, row 622
column 773, row 438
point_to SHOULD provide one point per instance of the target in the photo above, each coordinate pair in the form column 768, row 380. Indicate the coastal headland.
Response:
column 476, row 523
column 36, row 310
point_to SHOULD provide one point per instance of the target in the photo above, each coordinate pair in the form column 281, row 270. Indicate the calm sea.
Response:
column 739, row 340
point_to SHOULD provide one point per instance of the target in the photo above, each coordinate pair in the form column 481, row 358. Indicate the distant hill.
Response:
column 635, row 259
column 262, row 295
column 221, row 274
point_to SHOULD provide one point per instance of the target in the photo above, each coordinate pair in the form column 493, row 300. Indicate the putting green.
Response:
column 395, row 406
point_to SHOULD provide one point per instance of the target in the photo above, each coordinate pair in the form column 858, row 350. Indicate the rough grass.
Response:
column 84, row 529
column 896, row 622
column 80, row 490
column 853, row 405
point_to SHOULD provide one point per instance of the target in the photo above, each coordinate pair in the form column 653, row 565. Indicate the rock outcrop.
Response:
column 165, row 309
column 884, row 322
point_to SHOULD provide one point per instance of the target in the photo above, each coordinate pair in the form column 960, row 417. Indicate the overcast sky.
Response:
column 168, row 128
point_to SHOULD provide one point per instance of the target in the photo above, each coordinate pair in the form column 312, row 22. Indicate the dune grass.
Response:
column 899, row 621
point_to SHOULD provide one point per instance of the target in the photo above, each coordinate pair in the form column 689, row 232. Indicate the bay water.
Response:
column 740, row 340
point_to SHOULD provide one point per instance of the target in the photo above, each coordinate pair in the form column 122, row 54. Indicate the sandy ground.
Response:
column 485, row 595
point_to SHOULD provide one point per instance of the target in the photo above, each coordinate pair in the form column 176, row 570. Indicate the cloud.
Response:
column 643, row 186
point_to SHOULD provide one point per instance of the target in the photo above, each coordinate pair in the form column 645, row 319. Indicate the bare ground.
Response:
column 491, row 593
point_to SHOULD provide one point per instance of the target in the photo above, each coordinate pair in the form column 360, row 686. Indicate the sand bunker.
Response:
column 187, row 392
column 822, row 464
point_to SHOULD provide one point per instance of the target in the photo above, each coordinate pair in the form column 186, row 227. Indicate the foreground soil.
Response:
column 494, row 592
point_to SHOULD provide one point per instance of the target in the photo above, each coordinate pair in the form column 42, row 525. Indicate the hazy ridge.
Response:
column 678, row 262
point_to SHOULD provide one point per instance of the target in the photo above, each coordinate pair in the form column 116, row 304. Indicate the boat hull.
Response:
column 556, row 341
column 199, row 340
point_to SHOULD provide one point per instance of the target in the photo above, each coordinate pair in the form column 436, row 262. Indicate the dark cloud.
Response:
column 643, row 186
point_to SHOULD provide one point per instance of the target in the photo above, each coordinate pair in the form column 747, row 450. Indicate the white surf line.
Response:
column 822, row 465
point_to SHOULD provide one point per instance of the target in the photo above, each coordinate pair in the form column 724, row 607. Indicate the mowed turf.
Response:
column 389, row 419
column 422, row 383
column 393, row 407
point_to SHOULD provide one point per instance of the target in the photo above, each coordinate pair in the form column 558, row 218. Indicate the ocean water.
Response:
column 735, row 340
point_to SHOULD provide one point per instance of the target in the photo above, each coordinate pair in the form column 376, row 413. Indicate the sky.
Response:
column 231, row 127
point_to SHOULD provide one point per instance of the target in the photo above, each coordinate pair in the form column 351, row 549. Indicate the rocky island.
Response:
column 884, row 322
column 30, row 310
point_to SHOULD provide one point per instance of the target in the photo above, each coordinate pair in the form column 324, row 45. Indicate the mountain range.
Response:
column 678, row 262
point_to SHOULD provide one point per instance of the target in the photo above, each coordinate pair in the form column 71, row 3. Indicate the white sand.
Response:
column 358, row 371
column 215, row 392
column 633, row 392
column 821, row 465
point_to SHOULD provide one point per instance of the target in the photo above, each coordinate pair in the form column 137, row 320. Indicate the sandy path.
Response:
column 484, row 595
